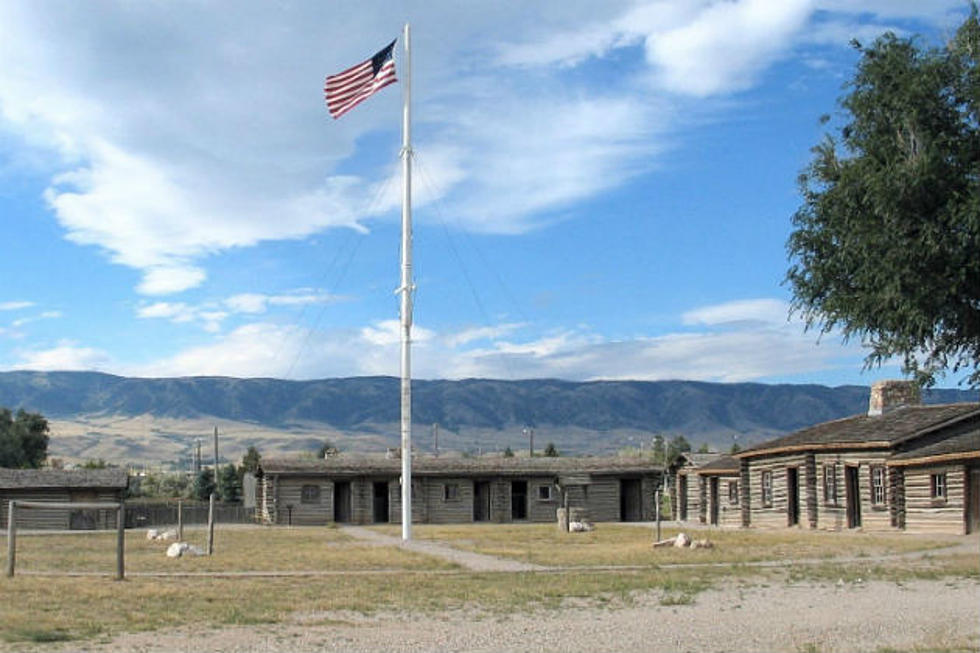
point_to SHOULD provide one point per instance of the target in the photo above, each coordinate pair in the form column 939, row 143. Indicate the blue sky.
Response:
column 603, row 190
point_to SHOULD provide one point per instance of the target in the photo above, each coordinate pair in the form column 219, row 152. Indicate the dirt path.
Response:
column 825, row 618
column 466, row 559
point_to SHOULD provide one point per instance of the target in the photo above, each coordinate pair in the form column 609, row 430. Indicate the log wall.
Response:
column 776, row 514
column 923, row 514
column 692, row 496
column 832, row 513
column 60, row 519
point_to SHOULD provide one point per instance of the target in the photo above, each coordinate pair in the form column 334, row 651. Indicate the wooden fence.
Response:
column 164, row 513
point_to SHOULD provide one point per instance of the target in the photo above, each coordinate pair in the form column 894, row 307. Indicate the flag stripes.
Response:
column 347, row 89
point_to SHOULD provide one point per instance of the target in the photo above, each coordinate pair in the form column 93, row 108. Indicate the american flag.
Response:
column 347, row 89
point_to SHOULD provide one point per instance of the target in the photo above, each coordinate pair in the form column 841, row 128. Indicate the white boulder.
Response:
column 682, row 540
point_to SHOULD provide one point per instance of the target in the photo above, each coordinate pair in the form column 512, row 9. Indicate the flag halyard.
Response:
column 348, row 88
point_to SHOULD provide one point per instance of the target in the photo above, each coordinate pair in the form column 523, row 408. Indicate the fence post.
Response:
column 11, row 537
column 211, row 524
column 121, row 541
column 180, row 520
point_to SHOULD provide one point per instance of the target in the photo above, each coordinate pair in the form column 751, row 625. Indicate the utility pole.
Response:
column 529, row 434
column 215, row 454
column 197, row 458
column 435, row 437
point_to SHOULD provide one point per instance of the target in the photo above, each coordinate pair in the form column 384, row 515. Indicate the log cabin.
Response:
column 718, row 483
column 902, row 465
column 687, row 493
column 367, row 490
column 63, row 486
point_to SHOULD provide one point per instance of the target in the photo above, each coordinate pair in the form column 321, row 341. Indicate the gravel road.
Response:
column 924, row 615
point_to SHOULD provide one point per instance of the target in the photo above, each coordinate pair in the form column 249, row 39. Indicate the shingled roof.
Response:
column 720, row 465
column 867, row 432
column 359, row 465
column 17, row 479
column 961, row 445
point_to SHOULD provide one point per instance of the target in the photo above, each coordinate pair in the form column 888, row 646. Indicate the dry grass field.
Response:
column 324, row 572
column 616, row 544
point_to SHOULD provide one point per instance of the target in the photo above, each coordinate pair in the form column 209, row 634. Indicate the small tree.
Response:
column 204, row 485
column 550, row 451
column 229, row 485
column 23, row 439
column 251, row 460
column 508, row 453
column 735, row 448
column 704, row 448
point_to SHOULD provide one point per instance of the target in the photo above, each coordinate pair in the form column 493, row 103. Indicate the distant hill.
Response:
column 363, row 412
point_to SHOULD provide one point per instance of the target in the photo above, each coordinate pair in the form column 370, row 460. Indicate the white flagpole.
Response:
column 406, row 293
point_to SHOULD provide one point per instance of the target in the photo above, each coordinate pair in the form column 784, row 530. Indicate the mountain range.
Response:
column 120, row 419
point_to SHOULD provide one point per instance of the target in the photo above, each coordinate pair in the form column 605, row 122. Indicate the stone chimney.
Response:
column 886, row 396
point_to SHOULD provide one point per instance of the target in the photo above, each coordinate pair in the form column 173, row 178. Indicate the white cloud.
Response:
column 741, row 312
column 67, row 355
column 260, row 303
column 737, row 341
column 45, row 315
column 15, row 306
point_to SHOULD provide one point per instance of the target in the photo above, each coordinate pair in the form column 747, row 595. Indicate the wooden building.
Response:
column 366, row 490
column 687, row 493
column 62, row 486
column 863, row 471
column 718, row 487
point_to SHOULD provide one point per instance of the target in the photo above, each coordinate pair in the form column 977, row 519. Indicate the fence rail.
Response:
column 164, row 513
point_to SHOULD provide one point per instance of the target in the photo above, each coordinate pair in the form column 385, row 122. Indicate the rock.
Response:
column 701, row 544
column 152, row 534
column 176, row 549
column 194, row 550
column 682, row 540
column 580, row 527
column 169, row 534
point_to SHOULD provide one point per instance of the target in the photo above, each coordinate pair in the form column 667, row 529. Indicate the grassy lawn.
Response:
column 40, row 609
column 236, row 549
column 617, row 544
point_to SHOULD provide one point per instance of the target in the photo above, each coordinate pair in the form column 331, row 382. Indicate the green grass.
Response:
column 617, row 544
column 40, row 609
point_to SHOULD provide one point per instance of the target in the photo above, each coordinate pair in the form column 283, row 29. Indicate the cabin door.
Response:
column 973, row 500
column 682, row 497
column 713, row 499
column 341, row 502
column 792, row 496
column 852, row 491
column 630, row 500
column 518, row 500
column 380, row 502
column 481, row 501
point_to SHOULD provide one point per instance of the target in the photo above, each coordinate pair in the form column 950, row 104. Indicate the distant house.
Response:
column 902, row 465
column 366, row 490
column 719, row 482
column 62, row 486
column 688, row 493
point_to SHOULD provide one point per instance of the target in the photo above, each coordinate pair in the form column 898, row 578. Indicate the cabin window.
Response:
column 733, row 492
column 830, row 483
column 544, row 493
column 878, row 485
column 310, row 494
column 937, row 486
column 767, row 488
column 450, row 492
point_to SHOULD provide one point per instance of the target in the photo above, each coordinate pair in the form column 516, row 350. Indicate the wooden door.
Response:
column 481, row 501
column 518, row 500
column 682, row 499
column 713, row 499
column 630, row 500
column 341, row 502
column 792, row 496
column 852, row 492
column 380, row 502
column 973, row 500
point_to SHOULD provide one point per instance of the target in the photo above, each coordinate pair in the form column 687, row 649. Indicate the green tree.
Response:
column 93, row 463
column 550, row 451
column 508, row 453
column 229, row 484
column 885, row 243
column 678, row 445
column 704, row 448
column 735, row 448
column 23, row 439
column 204, row 485
column 251, row 460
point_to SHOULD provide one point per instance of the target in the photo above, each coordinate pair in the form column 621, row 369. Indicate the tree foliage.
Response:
column 229, row 484
column 885, row 245
column 23, row 439
column 204, row 485
column 551, row 451
column 251, row 460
